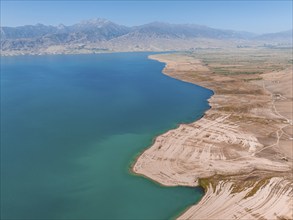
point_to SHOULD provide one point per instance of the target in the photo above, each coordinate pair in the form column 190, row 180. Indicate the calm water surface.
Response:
column 71, row 126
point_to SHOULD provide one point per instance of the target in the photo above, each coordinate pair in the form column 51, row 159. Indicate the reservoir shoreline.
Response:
column 231, row 161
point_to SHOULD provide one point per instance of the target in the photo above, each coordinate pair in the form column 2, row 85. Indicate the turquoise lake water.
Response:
column 72, row 125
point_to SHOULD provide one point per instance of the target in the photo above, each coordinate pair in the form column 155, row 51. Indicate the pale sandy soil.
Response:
column 271, row 201
column 240, row 151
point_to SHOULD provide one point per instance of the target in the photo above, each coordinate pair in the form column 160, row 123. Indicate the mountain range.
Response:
column 98, row 35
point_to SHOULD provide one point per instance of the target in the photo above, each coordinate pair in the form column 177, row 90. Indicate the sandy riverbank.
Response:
column 240, row 151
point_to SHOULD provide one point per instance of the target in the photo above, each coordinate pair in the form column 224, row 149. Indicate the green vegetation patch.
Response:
column 253, row 79
column 257, row 186
column 205, row 183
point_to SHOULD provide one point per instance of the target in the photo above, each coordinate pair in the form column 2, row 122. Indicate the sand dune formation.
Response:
column 241, row 150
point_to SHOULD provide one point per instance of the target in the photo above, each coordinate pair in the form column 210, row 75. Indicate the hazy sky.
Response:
column 254, row 16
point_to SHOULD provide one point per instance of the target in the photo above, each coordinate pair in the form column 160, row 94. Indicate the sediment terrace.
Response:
column 241, row 150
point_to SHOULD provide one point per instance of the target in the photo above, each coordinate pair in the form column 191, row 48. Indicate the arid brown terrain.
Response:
column 241, row 151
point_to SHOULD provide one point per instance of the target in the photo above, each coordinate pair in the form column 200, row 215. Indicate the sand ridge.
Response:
column 248, row 129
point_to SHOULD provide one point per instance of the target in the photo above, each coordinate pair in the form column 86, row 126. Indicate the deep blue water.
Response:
column 71, row 125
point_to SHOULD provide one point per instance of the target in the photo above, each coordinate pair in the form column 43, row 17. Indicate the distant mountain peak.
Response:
column 158, row 23
column 95, row 22
column 61, row 26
